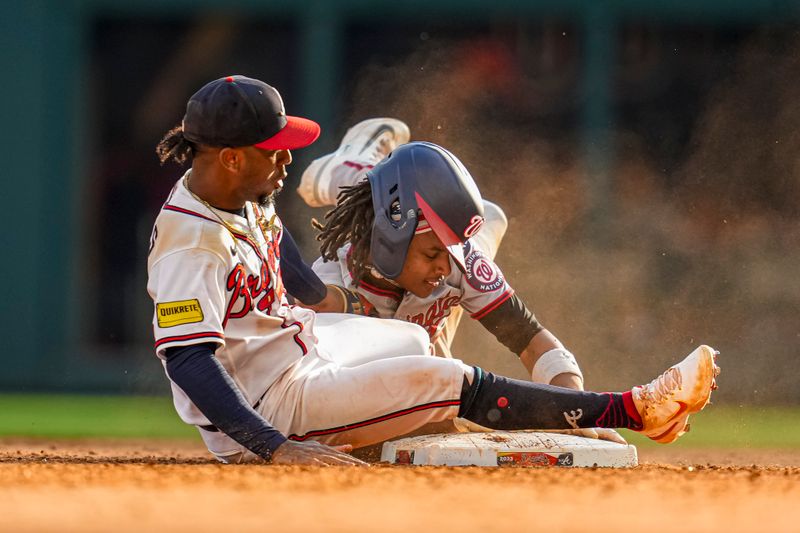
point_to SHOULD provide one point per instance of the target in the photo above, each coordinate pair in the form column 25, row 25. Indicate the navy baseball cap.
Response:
column 241, row 111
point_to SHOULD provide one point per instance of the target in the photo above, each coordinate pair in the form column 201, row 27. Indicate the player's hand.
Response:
column 611, row 435
column 332, row 303
column 314, row 453
column 606, row 434
column 594, row 433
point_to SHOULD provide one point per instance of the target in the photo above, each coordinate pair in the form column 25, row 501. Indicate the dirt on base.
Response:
column 174, row 486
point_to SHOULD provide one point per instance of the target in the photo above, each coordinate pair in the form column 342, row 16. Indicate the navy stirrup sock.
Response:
column 503, row 403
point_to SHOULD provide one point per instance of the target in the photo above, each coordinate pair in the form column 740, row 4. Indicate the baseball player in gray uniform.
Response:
column 429, row 295
column 363, row 146
column 247, row 368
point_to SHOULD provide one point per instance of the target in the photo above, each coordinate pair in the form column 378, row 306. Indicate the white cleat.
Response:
column 363, row 146
column 666, row 402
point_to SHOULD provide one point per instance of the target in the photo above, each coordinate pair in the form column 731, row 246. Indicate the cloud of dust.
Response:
column 466, row 101
column 746, row 148
column 740, row 188
column 709, row 257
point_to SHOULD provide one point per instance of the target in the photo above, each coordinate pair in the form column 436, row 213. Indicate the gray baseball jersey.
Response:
column 479, row 290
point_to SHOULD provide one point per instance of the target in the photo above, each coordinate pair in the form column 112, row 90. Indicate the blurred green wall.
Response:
column 43, row 107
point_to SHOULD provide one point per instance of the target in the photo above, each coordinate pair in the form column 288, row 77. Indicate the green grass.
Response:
column 737, row 427
column 72, row 416
column 68, row 416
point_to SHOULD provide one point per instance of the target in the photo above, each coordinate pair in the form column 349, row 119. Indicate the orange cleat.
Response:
column 666, row 402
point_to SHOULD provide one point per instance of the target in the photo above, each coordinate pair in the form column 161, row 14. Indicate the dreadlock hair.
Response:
column 350, row 221
column 175, row 146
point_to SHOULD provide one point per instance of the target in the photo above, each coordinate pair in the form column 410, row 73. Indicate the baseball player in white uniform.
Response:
column 247, row 367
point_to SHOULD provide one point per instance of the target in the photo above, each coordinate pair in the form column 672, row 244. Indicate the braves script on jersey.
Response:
column 211, row 282
column 479, row 290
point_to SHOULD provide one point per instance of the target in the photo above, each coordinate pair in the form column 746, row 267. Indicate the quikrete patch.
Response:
column 176, row 313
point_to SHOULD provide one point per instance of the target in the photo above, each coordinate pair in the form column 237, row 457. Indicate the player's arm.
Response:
column 542, row 354
column 340, row 300
column 542, row 343
column 308, row 289
column 331, row 303
column 338, row 297
column 491, row 300
column 208, row 385
column 298, row 278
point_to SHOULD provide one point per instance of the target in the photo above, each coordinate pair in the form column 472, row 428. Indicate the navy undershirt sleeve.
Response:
column 208, row 385
column 298, row 278
column 513, row 324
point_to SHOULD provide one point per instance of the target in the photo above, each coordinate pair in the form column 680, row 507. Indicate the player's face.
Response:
column 427, row 264
column 263, row 174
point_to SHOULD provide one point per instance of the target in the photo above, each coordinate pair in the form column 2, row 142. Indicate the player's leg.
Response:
column 659, row 409
column 386, row 398
column 363, row 146
column 493, row 230
column 390, row 397
column 352, row 340
column 376, row 401
column 370, row 339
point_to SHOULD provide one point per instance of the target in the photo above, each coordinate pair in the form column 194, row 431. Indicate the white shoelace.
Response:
column 662, row 388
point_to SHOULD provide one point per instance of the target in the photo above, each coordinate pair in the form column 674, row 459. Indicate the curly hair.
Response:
column 350, row 221
column 175, row 146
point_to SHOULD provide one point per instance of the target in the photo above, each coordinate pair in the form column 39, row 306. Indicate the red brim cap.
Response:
column 297, row 133
column 456, row 251
column 454, row 245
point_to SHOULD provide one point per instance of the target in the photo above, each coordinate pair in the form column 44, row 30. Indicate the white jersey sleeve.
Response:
column 190, row 304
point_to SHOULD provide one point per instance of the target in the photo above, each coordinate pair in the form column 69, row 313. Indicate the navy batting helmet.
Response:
column 421, row 186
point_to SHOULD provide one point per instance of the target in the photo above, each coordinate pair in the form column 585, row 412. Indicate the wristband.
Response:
column 342, row 294
column 554, row 362
column 351, row 302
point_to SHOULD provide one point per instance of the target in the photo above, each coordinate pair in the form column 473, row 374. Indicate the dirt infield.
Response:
column 173, row 486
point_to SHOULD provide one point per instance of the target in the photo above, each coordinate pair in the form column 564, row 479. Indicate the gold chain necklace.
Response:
column 264, row 224
column 233, row 231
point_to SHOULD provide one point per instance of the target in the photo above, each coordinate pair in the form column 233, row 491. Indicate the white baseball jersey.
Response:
column 215, row 277
column 479, row 290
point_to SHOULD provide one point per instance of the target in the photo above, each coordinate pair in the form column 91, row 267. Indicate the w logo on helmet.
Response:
column 475, row 224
